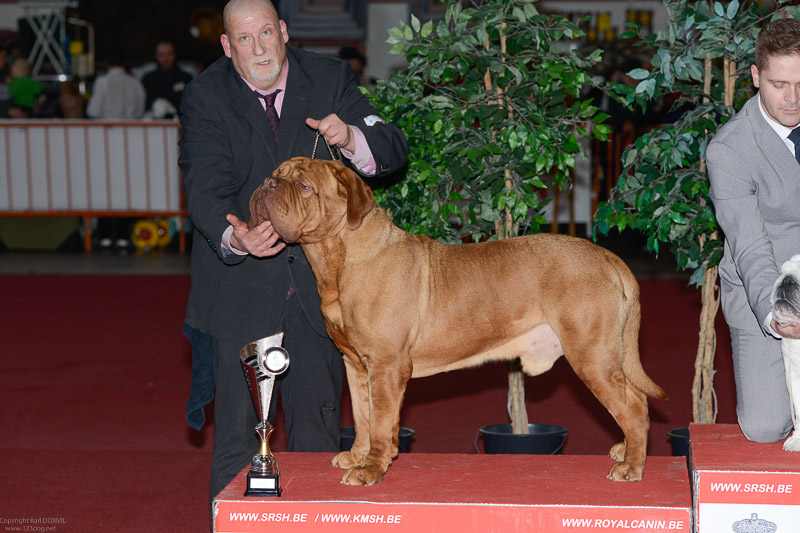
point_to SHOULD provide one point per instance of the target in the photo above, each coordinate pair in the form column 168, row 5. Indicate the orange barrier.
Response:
column 91, row 168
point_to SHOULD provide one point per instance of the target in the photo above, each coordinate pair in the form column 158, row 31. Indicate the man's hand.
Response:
column 790, row 330
column 260, row 241
column 335, row 131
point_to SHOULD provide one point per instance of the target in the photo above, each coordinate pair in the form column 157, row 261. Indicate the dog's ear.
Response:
column 359, row 196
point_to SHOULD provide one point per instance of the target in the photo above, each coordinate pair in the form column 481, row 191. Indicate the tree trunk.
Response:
column 704, row 400
column 505, row 227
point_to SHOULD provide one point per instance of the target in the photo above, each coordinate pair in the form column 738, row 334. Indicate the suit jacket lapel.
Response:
column 773, row 147
column 295, row 107
column 247, row 105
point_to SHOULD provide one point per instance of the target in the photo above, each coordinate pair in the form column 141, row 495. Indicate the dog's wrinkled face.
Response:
column 786, row 293
column 309, row 200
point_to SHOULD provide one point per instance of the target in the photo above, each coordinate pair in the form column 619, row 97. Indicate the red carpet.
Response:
column 96, row 376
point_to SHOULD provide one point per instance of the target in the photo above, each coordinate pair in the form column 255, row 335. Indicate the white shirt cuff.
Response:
column 767, row 327
column 226, row 243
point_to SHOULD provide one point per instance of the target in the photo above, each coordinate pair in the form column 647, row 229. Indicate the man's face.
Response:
column 779, row 86
column 165, row 55
column 256, row 43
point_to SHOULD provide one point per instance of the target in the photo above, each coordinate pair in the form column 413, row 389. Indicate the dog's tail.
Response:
column 631, row 363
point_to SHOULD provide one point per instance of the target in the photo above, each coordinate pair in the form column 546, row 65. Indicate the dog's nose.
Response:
column 272, row 183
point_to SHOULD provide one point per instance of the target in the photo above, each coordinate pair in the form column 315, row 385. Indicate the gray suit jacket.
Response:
column 227, row 150
column 755, row 188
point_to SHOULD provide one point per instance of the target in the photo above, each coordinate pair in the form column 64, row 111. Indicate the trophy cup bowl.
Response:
column 262, row 360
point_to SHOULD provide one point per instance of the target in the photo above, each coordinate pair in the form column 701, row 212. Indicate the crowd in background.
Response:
column 115, row 94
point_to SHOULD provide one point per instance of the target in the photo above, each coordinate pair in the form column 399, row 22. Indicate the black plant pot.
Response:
column 541, row 439
column 348, row 436
column 679, row 439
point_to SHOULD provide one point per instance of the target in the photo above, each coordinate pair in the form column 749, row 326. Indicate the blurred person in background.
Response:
column 165, row 84
column 25, row 91
column 116, row 94
column 71, row 103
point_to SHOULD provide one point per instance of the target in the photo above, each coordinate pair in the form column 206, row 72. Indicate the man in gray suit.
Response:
column 245, row 114
column 754, row 169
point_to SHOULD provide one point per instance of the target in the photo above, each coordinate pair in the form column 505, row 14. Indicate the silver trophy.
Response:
column 262, row 361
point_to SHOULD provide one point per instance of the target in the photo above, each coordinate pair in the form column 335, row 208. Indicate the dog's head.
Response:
column 786, row 293
column 309, row 200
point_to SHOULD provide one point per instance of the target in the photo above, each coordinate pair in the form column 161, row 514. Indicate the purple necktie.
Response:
column 272, row 113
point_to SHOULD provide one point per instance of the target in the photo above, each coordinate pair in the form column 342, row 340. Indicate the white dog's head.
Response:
column 786, row 293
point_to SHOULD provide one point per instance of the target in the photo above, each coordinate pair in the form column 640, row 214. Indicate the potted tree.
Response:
column 701, row 59
column 492, row 106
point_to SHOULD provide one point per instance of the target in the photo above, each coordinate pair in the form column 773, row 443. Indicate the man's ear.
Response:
column 359, row 196
column 284, row 32
column 226, row 45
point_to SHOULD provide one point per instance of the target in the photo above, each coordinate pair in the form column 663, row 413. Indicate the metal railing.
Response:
column 94, row 168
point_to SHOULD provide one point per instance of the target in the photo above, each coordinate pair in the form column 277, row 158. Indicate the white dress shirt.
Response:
column 116, row 94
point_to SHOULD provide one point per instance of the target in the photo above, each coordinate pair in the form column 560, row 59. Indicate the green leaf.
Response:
column 408, row 34
column 427, row 29
column 639, row 73
column 733, row 7
column 698, row 276
column 395, row 35
column 415, row 23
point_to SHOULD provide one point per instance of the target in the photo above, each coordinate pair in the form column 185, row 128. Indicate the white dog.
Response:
column 786, row 309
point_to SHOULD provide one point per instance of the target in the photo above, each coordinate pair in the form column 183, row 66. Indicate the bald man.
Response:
column 260, row 104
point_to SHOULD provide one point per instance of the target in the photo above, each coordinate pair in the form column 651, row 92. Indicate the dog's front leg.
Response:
column 790, row 349
column 387, row 385
column 358, row 382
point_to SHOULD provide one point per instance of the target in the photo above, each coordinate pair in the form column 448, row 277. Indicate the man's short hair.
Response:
column 781, row 37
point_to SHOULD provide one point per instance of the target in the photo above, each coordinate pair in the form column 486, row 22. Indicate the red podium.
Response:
column 741, row 484
column 463, row 493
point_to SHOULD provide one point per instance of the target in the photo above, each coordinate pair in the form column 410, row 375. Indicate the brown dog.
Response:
column 400, row 306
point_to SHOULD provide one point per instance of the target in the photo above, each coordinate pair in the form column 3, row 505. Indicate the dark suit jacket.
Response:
column 226, row 151
column 755, row 187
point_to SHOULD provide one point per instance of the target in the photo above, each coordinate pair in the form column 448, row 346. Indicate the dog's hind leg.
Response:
column 387, row 386
column 631, row 454
column 628, row 405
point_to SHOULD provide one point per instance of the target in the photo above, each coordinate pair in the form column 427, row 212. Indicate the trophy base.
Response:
column 263, row 484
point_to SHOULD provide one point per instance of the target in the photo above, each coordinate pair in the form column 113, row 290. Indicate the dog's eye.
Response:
column 303, row 186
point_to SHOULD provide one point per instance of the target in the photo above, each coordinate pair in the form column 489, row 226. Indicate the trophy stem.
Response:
column 264, row 430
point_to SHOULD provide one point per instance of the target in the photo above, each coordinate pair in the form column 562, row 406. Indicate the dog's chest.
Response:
column 790, row 348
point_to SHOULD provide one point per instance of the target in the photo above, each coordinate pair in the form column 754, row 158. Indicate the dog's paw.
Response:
column 626, row 472
column 346, row 460
column 363, row 475
column 792, row 444
column 617, row 452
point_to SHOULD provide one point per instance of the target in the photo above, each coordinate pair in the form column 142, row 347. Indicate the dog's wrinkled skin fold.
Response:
column 785, row 309
column 400, row 306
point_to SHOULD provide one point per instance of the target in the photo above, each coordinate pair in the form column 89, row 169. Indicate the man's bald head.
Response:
column 255, row 40
column 242, row 7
